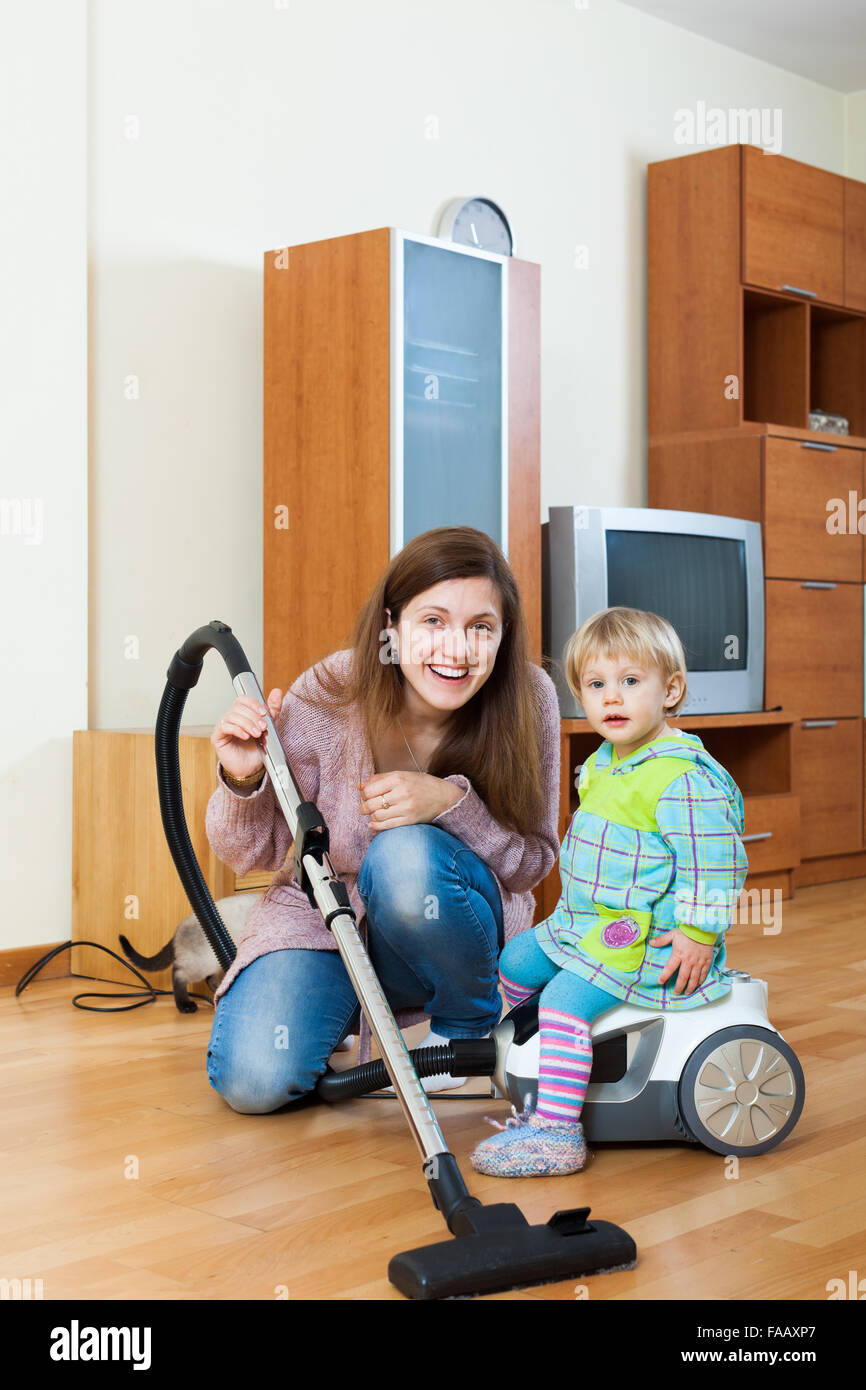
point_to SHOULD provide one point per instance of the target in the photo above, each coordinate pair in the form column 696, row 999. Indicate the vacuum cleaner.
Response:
column 720, row 1075
column 495, row 1248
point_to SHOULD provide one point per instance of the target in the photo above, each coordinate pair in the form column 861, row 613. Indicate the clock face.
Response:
column 481, row 224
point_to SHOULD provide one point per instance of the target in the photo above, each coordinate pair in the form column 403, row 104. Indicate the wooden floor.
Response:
column 126, row 1176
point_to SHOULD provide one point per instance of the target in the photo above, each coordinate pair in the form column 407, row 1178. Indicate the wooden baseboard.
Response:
column 776, row 878
column 16, row 962
column 835, row 866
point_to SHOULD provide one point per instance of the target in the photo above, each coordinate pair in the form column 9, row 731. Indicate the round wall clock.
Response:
column 477, row 222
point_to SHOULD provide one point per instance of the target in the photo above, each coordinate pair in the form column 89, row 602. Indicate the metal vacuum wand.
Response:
column 332, row 899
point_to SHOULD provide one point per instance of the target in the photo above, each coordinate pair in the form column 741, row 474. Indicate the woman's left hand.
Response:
column 413, row 798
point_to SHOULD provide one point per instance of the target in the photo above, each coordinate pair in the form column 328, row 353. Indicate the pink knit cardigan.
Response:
column 328, row 756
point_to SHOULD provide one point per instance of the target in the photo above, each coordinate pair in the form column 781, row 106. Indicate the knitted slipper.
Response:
column 529, row 1147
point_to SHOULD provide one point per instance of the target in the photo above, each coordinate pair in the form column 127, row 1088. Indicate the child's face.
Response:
column 625, row 702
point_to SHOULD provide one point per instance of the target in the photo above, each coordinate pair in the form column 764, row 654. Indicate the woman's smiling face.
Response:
column 447, row 640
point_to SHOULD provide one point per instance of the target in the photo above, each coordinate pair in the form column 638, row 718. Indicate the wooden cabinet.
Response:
column 401, row 392
column 814, row 647
column 797, row 237
column 772, row 832
column 756, row 291
column 693, row 289
column 123, row 876
column 800, row 539
column 828, row 777
column 814, row 600
column 793, row 226
column 855, row 244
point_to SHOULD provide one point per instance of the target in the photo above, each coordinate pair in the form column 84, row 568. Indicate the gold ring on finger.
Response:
column 384, row 804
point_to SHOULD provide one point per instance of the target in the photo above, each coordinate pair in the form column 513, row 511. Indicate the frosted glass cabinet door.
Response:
column 452, row 391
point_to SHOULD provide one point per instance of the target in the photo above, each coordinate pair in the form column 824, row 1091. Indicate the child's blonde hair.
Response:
column 626, row 632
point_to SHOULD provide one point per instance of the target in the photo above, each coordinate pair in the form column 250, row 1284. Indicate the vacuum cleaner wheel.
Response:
column 741, row 1091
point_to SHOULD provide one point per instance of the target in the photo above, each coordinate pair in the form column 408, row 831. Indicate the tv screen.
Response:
column 697, row 582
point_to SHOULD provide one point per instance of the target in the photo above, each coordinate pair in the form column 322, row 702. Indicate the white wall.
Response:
column 263, row 126
column 217, row 130
column 855, row 136
column 43, row 457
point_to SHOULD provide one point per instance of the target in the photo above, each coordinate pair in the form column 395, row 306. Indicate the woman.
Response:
column 433, row 725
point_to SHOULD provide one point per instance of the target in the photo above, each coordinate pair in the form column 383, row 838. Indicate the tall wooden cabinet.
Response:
column 401, row 392
column 757, row 315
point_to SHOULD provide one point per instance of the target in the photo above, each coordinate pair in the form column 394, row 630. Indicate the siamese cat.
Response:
column 191, row 956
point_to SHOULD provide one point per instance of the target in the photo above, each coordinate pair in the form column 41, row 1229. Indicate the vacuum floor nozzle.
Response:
column 513, row 1257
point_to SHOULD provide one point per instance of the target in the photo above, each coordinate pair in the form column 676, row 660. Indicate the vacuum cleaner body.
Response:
column 719, row 1074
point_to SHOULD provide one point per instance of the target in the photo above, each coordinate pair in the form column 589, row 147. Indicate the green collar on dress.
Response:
column 662, row 738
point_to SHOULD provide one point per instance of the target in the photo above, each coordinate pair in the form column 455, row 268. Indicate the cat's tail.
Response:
column 158, row 962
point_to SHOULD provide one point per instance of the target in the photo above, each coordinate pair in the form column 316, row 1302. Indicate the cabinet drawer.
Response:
column 793, row 226
column 799, row 483
column 814, row 648
column 772, row 832
column 828, row 778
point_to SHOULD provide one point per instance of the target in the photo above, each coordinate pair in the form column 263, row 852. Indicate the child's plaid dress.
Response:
column 655, row 844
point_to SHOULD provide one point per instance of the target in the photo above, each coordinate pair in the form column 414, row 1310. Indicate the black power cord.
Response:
column 150, row 992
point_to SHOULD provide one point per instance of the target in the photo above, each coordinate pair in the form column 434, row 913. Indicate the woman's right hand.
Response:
column 237, row 737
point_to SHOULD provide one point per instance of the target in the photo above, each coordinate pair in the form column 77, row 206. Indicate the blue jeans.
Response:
column 435, row 930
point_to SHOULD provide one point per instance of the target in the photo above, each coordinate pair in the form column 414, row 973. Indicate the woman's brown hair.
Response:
column 495, row 738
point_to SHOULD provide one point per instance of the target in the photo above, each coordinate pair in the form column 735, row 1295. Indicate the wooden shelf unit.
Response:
column 329, row 439
column 757, row 314
column 756, row 292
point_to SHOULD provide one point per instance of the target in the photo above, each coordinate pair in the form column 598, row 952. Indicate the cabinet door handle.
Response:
column 818, row 584
column 820, row 723
column 827, row 448
column 797, row 289
column 763, row 835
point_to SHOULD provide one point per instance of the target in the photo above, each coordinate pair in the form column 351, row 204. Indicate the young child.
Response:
column 652, row 868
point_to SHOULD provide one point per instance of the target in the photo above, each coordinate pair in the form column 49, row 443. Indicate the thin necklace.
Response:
column 406, row 741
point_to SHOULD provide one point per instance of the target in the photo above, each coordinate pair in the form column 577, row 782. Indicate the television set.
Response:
column 704, row 573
